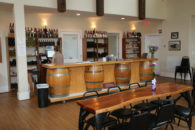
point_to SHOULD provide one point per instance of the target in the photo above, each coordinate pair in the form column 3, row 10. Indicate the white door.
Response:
column 113, row 44
column 71, row 46
column 153, row 39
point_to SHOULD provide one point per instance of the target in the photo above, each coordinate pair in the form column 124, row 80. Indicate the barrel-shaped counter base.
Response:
column 94, row 77
column 146, row 71
column 122, row 73
column 59, row 82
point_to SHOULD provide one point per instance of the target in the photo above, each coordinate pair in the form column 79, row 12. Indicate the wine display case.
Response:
column 94, row 48
column 95, row 45
column 34, row 48
column 131, row 46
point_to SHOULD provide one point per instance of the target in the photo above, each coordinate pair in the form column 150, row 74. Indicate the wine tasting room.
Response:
column 97, row 64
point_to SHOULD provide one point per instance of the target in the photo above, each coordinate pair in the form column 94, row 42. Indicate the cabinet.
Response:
column 34, row 48
column 94, row 48
column 131, row 48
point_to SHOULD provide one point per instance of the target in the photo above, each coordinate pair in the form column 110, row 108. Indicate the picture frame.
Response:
column 174, row 35
column 174, row 45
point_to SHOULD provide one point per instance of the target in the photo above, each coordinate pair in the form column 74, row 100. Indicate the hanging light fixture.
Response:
column 142, row 9
column 100, row 7
column 61, row 6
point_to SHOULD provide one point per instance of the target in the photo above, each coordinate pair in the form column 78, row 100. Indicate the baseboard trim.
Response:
column 4, row 89
column 172, row 75
column 23, row 95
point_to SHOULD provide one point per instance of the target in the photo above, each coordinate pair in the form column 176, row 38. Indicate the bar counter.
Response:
column 70, row 80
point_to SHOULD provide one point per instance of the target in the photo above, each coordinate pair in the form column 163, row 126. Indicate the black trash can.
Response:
column 42, row 95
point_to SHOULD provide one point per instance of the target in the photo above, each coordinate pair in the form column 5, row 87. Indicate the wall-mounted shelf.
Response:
column 94, row 48
column 131, row 48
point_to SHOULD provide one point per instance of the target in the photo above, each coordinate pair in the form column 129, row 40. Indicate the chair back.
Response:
column 90, row 94
column 185, row 62
column 140, row 122
column 165, row 114
column 134, row 85
column 112, row 90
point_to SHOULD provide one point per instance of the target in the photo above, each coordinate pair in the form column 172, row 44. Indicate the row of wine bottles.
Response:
column 132, row 35
column 32, row 42
column 37, row 32
column 94, row 54
column 94, row 45
column 95, row 34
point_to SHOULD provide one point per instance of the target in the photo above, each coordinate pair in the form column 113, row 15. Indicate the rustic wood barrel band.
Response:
column 54, row 87
column 122, row 77
column 94, row 82
column 94, row 77
column 94, row 71
column 58, row 75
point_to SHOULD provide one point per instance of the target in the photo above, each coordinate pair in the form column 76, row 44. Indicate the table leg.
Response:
column 187, row 97
column 82, row 115
column 99, row 118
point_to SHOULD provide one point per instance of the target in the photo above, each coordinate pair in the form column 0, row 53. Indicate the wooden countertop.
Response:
column 118, row 100
column 86, row 63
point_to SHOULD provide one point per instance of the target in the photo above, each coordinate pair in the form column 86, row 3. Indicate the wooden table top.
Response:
column 118, row 100
column 87, row 63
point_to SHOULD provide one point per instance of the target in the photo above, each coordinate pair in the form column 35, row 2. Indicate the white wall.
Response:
column 156, row 9
column 178, row 20
column 118, row 7
column 192, row 42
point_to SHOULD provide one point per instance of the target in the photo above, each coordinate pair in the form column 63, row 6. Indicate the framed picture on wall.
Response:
column 174, row 35
column 174, row 45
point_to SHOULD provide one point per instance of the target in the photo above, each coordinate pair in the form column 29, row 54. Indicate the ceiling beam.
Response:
column 100, row 7
column 61, row 6
column 142, row 9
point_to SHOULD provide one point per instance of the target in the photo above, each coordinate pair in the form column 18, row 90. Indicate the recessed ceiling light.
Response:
column 78, row 14
column 122, row 18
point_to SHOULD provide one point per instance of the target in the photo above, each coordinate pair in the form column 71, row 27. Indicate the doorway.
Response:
column 113, row 44
column 155, row 40
column 71, row 45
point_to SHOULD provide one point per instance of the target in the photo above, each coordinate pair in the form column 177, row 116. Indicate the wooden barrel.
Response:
column 146, row 71
column 122, row 73
column 59, row 82
column 94, row 77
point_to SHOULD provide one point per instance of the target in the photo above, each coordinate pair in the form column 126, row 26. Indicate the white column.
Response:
column 20, row 40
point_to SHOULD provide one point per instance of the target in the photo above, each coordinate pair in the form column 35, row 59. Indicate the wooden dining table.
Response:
column 103, row 104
